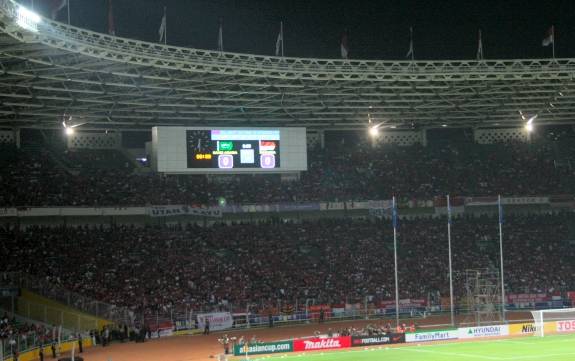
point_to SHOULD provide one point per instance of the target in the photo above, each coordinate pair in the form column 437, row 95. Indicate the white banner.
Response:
column 162, row 332
column 432, row 336
column 379, row 204
column 483, row 331
column 182, row 210
column 492, row 201
column 218, row 320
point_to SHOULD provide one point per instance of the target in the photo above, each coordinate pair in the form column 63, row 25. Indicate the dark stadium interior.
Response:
column 172, row 192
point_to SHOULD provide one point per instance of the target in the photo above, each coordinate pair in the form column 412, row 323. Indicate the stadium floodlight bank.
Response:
column 564, row 318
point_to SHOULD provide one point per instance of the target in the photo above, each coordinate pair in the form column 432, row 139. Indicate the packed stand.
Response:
column 86, row 159
column 337, row 173
column 330, row 261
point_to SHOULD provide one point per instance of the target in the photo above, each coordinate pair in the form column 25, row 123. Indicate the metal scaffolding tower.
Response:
column 483, row 288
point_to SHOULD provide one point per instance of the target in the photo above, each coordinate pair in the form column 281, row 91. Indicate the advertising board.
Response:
column 329, row 343
column 263, row 348
column 566, row 326
column 483, row 331
column 218, row 320
column 432, row 336
column 357, row 341
column 522, row 329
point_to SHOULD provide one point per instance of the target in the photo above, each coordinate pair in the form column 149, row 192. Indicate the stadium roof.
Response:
column 113, row 82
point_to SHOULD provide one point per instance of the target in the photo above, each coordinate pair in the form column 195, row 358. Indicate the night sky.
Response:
column 378, row 29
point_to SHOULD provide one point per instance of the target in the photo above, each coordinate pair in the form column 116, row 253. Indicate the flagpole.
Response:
column 553, row 38
column 412, row 47
column 221, row 37
column 282, row 32
column 450, row 266
column 394, row 220
column 69, row 3
column 165, row 28
column 480, row 47
column 501, row 255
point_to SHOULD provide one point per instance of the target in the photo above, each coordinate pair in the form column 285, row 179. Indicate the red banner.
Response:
column 330, row 343
column 405, row 303
column 528, row 297
column 316, row 309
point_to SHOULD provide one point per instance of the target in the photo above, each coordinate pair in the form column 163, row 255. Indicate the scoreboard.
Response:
column 233, row 148
column 228, row 150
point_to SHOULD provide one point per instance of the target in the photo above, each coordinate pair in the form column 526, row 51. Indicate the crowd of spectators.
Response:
column 331, row 261
column 16, row 336
column 371, row 329
column 336, row 173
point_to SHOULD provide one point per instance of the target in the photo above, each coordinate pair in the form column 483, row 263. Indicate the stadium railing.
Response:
column 29, row 341
column 70, row 299
column 56, row 316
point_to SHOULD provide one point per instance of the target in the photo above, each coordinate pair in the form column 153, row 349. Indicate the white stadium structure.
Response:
column 50, row 69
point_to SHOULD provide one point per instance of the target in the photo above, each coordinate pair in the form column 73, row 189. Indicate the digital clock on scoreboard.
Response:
column 233, row 148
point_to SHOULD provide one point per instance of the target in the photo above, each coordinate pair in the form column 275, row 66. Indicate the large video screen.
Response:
column 233, row 148
column 227, row 150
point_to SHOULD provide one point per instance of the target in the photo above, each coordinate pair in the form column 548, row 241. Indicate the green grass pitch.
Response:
column 551, row 348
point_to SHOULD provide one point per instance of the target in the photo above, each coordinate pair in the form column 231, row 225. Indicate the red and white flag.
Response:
column 549, row 37
column 111, row 26
column 344, row 46
column 56, row 6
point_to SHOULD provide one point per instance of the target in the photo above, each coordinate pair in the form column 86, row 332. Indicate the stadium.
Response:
column 167, row 203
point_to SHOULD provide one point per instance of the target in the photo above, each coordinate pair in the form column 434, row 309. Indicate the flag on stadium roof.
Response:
column 549, row 37
column 480, row 47
column 111, row 26
column 163, row 27
column 344, row 47
column 280, row 41
column 410, row 53
column 56, row 6
column 221, row 36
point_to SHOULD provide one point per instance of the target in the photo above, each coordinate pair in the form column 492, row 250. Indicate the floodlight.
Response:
column 28, row 19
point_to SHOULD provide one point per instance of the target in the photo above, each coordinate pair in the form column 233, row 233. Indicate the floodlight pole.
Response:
column 450, row 266
column 500, row 208
column 394, row 216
